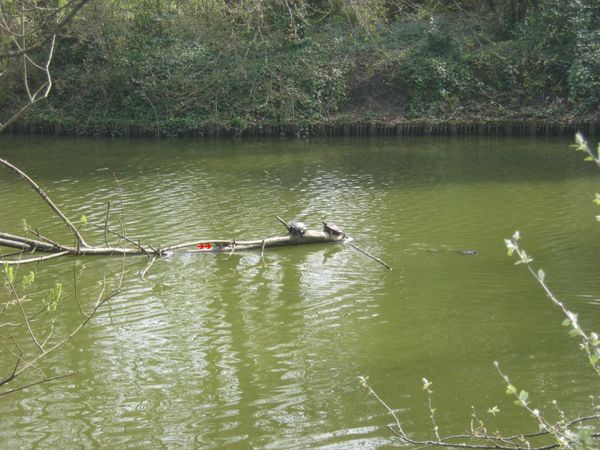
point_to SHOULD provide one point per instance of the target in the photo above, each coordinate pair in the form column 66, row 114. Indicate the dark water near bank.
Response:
column 218, row 351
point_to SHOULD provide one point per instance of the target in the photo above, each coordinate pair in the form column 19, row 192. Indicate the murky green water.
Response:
column 219, row 351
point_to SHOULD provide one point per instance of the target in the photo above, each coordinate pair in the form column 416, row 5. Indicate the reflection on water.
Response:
column 237, row 351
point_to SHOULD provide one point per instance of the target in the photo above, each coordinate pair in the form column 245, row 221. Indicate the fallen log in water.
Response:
column 232, row 245
column 297, row 234
column 309, row 237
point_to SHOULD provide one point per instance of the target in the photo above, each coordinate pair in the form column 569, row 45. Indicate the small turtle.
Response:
column 297, row 227
column 467, row 252
column 332, row 228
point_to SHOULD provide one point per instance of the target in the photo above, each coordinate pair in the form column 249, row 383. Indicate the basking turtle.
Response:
column 333, row 229
column 297, row 227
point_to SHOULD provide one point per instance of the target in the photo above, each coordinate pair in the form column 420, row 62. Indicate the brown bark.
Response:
column 228, row 245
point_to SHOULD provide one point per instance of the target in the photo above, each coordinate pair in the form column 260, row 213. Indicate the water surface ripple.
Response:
column 237, row 351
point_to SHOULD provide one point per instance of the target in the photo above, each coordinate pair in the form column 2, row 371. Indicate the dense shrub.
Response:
column 173, row 67
column 584, row 74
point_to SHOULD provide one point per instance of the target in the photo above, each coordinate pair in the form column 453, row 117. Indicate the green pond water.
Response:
column 233, row 351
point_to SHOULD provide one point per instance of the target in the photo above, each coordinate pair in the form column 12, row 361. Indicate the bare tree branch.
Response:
column 24, row 315
column 16, row 262
column 102, row 299
column 45, row 380
column 470, row 441
column 48, row 31
column 45, row 88
column 81, row 242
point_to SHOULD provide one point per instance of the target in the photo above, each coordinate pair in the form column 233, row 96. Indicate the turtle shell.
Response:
column 332, row 228
column 297, row 227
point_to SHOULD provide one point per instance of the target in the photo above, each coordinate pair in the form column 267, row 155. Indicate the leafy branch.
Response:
column 590, row 343
column 566, row 433
column 479, row 437
column 44, row 345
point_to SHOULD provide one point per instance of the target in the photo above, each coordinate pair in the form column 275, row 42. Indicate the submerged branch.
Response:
column 35, row 383
column 369, row 255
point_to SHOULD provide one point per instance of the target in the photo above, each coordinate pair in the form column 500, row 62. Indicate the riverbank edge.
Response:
column 417, row 127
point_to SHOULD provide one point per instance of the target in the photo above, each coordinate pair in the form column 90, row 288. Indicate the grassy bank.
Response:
column 322, row 68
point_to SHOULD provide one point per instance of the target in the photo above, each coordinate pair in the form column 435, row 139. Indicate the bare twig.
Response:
column 81, row 242
column 52, row 28
column 426, row 388
column 469, row 441
column 369, row 255
column 285, row 224
column 13, row 290
column 50, row 333
column 564, row 439
column 125, row 238
column 45, row 380
column 44, row 89
column 61, row 342
column 106, row 223
column 75, row 291
column 17, row 262
column 145, row 271
column 590, row 343
column 400, row 432
column 121, row 208
column 46, row 347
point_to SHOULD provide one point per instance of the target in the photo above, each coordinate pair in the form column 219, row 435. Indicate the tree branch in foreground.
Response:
column 480, row 438
column 24, row 22
column 575, row 434
column 42, row 345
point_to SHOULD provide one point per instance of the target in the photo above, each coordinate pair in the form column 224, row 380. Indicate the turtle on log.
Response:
column 333, row 229
column 296, row 227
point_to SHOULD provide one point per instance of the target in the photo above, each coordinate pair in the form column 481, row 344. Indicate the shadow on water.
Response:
column 385, row 160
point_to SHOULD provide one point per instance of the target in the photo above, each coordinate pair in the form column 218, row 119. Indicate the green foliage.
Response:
column 432, row 70
column 590, row 342
column 9, row 275
column 574, row 433
column 28, row 279
column 176, row 84
column 175, row 67
column 51, row 303
column 563, row 40
column 584, row 73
